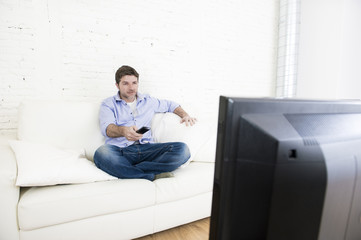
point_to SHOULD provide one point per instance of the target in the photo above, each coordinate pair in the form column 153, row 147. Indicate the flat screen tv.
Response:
column 287, row 170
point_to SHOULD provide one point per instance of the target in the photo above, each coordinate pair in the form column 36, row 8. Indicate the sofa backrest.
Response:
column 64, row 124
column 75, row 125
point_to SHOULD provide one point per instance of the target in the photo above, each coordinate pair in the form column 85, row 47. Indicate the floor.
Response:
column 198, row 230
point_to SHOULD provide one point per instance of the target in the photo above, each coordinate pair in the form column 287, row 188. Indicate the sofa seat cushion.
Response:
column 44, row 206
column 196, row 178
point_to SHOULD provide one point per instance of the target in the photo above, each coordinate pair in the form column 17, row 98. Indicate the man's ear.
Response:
column 116, row 84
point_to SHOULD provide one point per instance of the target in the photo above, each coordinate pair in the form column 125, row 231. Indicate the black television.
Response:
column 287, row 169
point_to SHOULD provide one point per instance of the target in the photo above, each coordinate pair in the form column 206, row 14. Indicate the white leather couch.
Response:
column 41, row 201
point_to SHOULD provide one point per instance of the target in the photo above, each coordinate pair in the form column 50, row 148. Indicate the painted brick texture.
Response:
column 187, row 51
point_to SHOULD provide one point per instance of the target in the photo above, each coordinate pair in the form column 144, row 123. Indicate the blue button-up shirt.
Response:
column 114, row 110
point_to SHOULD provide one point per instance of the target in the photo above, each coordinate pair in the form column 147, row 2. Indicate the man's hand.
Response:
column 188, row 120
column 185, row 118
column 130, row 133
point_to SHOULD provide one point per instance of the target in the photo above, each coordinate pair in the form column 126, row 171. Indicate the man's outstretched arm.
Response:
column 185, row 118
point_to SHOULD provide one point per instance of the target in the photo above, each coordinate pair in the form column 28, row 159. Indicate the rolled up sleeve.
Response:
column 165, row 105
column 106, row 117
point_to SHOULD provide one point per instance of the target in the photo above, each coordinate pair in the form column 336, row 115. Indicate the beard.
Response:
column 129, row 96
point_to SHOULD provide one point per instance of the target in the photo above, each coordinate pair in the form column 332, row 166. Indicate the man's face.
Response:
column 128, row 87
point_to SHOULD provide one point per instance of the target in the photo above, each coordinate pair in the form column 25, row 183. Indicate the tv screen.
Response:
column 287, row 169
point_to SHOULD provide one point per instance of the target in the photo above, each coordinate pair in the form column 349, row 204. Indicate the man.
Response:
column 126, row 153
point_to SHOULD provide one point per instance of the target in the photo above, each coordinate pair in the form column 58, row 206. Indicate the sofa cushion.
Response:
column 64, row 124
column 196, row 178
column 169, row 129
column 42, row 165
column 45, row 206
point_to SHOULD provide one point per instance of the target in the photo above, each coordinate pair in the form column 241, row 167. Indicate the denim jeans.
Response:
column 141, row 160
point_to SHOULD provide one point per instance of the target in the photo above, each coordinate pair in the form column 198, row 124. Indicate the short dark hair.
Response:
column 123, row 71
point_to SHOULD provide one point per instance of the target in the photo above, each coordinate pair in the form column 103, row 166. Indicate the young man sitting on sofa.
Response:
column 126, row 152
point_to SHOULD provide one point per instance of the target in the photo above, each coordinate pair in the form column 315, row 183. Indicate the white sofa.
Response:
column 100, row 207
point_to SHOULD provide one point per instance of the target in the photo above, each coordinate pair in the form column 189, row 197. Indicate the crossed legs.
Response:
column 142, row 160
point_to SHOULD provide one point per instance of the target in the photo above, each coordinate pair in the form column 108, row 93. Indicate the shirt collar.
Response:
column 140, row 97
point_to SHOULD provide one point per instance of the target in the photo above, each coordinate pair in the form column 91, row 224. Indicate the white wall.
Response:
column 350, row 78
column 330, row 50
column 188, row 51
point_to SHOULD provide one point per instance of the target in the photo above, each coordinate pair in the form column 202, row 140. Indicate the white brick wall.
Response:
column 185, row 50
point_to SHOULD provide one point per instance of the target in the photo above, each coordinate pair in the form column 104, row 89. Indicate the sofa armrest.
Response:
column 9, row 193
